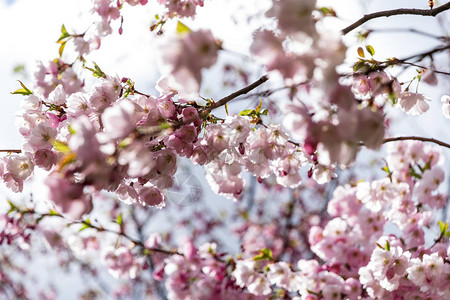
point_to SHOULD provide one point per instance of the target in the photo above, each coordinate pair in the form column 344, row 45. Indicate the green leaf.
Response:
column 265, row 112
column 327, row 11
column 71, row 130
column 361, row 66
column 85, row 226
column 63, row 30
column 157, row 17
column 361, row 52
column 165, row 125
column 387, row 246
column 53, row 213
column 98, row 72
column 12, row 206
column 19, row 69
column 23, row 91
column 64, row 34
column 119, row 219
column 370, row 50
column 258, row 108
column 245, row 112
column 443, row 227
column 182, row 29
column 263, row 254
column 61, row 48
column 62, row 147
column 413, row 173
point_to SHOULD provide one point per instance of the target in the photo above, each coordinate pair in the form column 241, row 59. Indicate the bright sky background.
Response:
column 30, row 28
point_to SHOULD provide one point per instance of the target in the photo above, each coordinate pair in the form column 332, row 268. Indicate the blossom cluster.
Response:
column 369, row 242
column 360, row 260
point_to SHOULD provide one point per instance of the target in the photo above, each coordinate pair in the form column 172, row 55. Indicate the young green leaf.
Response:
column 53, row 213
column 71, row 130
column 119, row 219
column 62, row 147
column 61, row 48
column 63, row 30
column 370, row 50
column 12, row 207
column 64, row 34
column 245, row 112
column 258, row 108
column 23, row 91
column 182, row 29
column 263, row 254
column 85, row 226
column 443, row 227
column 327, row 11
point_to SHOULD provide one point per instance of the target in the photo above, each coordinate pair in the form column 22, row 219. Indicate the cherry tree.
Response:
column 306, row 225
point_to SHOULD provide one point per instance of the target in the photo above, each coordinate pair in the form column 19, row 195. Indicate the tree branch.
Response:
column 402, row 62
column 416, row 138
column 236, row 94
column 428, row 53
column 408, row 30
column 394, row 12
column 11, row 150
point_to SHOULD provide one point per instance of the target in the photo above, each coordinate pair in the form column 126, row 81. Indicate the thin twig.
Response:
column 394, row 12
column 88, row 224
column 236, row 94
column 11, row 150
column 416, row 138
column 427, row 53
column 402, row 62
column 410, row 30
column 135, row 241
column 269, row 92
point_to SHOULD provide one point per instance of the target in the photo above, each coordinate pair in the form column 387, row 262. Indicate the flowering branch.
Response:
column 402, row 62
column 120, row 233
column 236, row 94
column 87, row 224
column 394, row 12
column 416, row 138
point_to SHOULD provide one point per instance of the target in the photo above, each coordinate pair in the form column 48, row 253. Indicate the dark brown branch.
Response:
column 88, row 224
column 11, row 150
column 269, row 92
column 408, row 30
column 394, row 12
column 416, row 138
column 428, row 53
column 402, row 62
column 236, row 94
column 120, row 233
